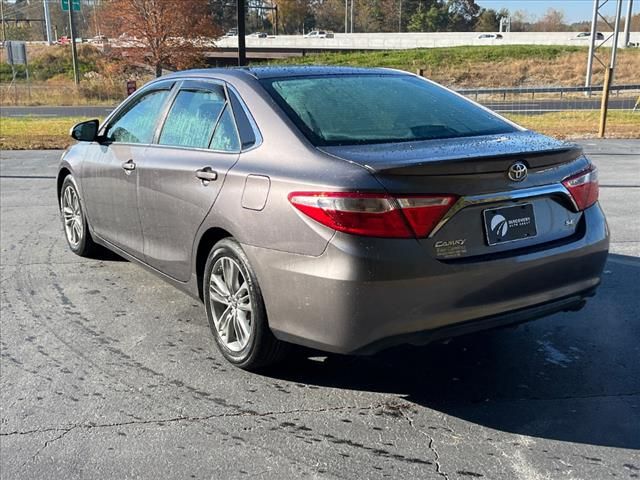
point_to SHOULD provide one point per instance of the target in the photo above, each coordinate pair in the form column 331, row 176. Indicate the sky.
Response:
column 575, row 10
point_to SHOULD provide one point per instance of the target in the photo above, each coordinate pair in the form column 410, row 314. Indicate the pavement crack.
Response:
column 65, row 431
column 35, row 430
column 431, row 445
column 90, row 426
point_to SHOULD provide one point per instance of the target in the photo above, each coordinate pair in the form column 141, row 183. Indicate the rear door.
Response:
column 183, row 173
column 110, row 171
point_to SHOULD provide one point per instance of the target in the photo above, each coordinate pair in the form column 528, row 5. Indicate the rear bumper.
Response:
column 571, row 303
column 363, row 295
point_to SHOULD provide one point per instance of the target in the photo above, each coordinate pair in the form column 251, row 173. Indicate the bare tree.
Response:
column 294, row 15
column 551, row 21
column 161, row 33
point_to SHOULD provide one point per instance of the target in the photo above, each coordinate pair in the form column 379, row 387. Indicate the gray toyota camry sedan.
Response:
column 343, row 209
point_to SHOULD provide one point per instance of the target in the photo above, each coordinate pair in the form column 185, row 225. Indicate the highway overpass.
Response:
column 393, row 41
column 283, row 46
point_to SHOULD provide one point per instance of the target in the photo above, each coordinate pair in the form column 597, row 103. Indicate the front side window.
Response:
column 192, row 118
column 366, row 109
column 138, row 123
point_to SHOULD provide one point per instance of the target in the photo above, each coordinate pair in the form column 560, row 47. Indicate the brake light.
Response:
column 584, row 187
column 373, row 214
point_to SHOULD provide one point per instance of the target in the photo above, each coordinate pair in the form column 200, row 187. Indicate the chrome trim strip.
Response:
column 556, row 189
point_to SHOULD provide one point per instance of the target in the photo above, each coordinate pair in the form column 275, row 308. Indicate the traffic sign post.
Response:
column 75, row 5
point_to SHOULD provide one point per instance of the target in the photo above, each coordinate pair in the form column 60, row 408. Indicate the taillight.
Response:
column 584, row 187
column 372, row 214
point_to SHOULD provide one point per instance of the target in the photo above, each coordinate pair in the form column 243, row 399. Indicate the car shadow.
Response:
column 571, row 377
column 106, row 255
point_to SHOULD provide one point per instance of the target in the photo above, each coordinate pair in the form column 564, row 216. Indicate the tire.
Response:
column 74, row 220
column 235, row 309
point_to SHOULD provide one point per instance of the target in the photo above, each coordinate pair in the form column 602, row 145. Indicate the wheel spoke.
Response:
column 237, row 331
column 241, row 328
column 67, row 197
column 76, row 203
column 223, row 323
column 230, row 275
column 243, row 298
column 76, row 231
column 216, row 294
column 217, row 283
column 72, row 234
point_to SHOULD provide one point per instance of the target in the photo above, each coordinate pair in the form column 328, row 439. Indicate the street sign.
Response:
column 16, row 52
column 75, row 5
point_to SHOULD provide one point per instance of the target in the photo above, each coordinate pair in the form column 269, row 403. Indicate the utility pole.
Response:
column 346, row 16
column 242, row 47
column 609, row 73
column 276, row 27
column 95, row 17
column 400, row 18
column 47, row 20
column 592, row 41
column 74, row 50
column 4, row 28
column 352, row 2
column 627, row 24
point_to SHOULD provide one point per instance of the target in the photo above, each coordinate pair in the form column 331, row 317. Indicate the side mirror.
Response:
column 85, row 131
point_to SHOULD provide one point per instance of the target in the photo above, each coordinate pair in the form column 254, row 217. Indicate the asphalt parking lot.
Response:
column 107, row 372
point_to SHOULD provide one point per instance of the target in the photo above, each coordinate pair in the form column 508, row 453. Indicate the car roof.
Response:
column 284, row 71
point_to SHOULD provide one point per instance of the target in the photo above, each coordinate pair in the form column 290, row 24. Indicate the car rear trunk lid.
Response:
column 459, row 156
column 474, row 168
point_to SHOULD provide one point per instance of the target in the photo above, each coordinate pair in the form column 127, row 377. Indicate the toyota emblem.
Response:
column 517, row 172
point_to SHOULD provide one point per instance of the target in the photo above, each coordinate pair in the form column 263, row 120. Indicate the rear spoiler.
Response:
column 480, row 164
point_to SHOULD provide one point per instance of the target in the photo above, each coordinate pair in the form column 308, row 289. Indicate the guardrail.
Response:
column 534, row 90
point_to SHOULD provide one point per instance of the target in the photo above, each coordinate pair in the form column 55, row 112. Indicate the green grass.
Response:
column 435, row 57
column 37, row 133
column 581, row 124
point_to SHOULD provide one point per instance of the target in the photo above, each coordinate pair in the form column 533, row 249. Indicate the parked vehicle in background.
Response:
column 259, row 35
column 233, row 32
column 319, row 34
column 343, row 209
column 587, row 36
column 490, row 36
column 99, row 39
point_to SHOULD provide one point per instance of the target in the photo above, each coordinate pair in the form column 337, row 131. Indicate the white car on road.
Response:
column 319, row 34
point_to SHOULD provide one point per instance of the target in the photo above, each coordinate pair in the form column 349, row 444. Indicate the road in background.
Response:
column 57, row 111
column 108, row 372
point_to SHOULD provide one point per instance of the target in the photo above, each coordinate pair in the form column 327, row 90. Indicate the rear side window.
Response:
column 193, row 118
column 138, row 123
column 365, row 109
column 225, row 138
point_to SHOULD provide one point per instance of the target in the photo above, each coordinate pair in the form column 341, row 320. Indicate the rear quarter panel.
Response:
column 292, row 164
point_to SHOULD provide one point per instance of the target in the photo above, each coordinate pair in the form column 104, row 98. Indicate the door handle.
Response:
column 207, row 174
column 129, row 166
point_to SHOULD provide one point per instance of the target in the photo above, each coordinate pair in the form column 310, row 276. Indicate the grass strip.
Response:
column 43, row 133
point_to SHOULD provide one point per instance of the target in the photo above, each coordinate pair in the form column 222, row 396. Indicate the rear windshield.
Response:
column 365, row 109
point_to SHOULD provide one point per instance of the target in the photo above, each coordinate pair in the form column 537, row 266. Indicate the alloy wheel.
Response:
column 72, row 215
column 231, row 304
